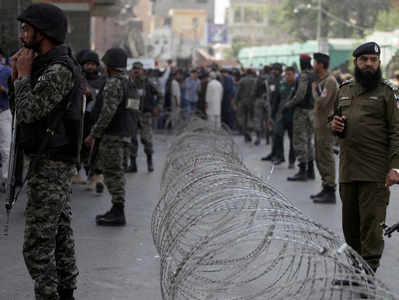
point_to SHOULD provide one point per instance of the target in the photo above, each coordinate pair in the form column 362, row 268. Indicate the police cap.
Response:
column 115, row 58
column 321, row 57
column 47, row 19
column 367, row 48
column 90, row 56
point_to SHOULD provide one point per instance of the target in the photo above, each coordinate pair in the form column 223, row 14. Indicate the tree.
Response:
column 340, row 19
column 388, row 20
column 232, row 53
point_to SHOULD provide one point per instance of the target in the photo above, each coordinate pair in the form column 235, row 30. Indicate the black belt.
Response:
column 3, row 109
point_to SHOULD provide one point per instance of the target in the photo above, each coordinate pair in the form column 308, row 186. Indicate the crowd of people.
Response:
column 46, row 90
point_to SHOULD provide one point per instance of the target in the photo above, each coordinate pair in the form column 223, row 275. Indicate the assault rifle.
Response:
column 15, row 168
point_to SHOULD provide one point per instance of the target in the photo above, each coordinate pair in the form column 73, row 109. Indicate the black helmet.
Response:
column 115, row 58
column 48, row 19
column 89, row 56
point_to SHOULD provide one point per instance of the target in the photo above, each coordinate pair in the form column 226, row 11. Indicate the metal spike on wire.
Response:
column 223, row 233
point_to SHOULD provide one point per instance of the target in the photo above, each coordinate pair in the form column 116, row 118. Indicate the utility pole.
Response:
column 318, row 34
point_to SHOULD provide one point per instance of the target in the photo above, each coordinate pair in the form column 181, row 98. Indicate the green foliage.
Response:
column 388, row 20
column 300, row 17
column 232, row 53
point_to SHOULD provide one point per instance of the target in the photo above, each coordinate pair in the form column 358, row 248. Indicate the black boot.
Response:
column 319, row 194
column 150, row 166
column 328, row 197
column 133, row 166
column 115, row 217
column 247, row 137
column 65, row 294
column 301, row 175
column 267, row 158
column 310, row 171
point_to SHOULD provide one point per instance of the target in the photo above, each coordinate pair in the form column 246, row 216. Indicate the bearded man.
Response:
column 366, row 120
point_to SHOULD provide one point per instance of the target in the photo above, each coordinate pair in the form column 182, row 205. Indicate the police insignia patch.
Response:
column 324, row 93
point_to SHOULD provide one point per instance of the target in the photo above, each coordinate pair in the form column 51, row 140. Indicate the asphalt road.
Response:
column 122, row 263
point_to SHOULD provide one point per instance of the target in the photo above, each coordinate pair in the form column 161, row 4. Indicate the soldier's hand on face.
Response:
column 337, row 124
column 315, row 84
column 270, row 123
column 392, row 178
column 24, row 62
column 14, row 59
column 90, row 141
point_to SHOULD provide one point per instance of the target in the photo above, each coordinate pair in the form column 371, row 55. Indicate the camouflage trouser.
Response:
column 324, row 155
column 302, row 135
column 244, row 116
column 48, row 242
column 110, row 156
column 364, row 206
column 260, row 115
column 145, row 129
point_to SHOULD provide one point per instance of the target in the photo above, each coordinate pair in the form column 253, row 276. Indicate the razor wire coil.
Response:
column 223, row 233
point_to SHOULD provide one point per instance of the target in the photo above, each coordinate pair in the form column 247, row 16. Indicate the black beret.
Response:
column 367, row 48
column 321, row 57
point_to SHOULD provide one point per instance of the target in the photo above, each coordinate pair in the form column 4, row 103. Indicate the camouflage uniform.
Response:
column 262, row 109
column 48, row 242
column 110, row 155
column 144, row 117
column 244, row 100
column 302, row 102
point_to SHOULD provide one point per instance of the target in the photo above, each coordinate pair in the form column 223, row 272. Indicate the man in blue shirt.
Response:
column 5, row 121
column 192, row 85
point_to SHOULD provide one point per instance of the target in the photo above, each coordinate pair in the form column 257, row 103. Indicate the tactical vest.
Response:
column 308, row 102
column 123, row 122
column 59, row 134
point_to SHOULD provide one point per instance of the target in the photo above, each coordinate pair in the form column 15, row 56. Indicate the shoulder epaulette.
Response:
column 346, row 82
column 391, row 85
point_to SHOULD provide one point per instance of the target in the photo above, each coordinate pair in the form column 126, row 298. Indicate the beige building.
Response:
column 248, row 22
column 189, row 24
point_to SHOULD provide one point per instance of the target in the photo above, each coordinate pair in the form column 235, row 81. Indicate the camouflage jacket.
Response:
column 113, row 94
column 35, row 103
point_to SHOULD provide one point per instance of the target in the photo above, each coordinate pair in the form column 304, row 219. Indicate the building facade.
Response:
column 248, row 22
column 162, row 7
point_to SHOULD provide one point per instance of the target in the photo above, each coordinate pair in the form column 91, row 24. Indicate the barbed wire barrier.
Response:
column 223, row 233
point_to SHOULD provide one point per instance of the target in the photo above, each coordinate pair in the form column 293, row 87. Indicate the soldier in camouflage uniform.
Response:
column 302, row 104
column 243, row 103
column 43, row 76
column 147, row 91
column 262, row 107
column 113, row 129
